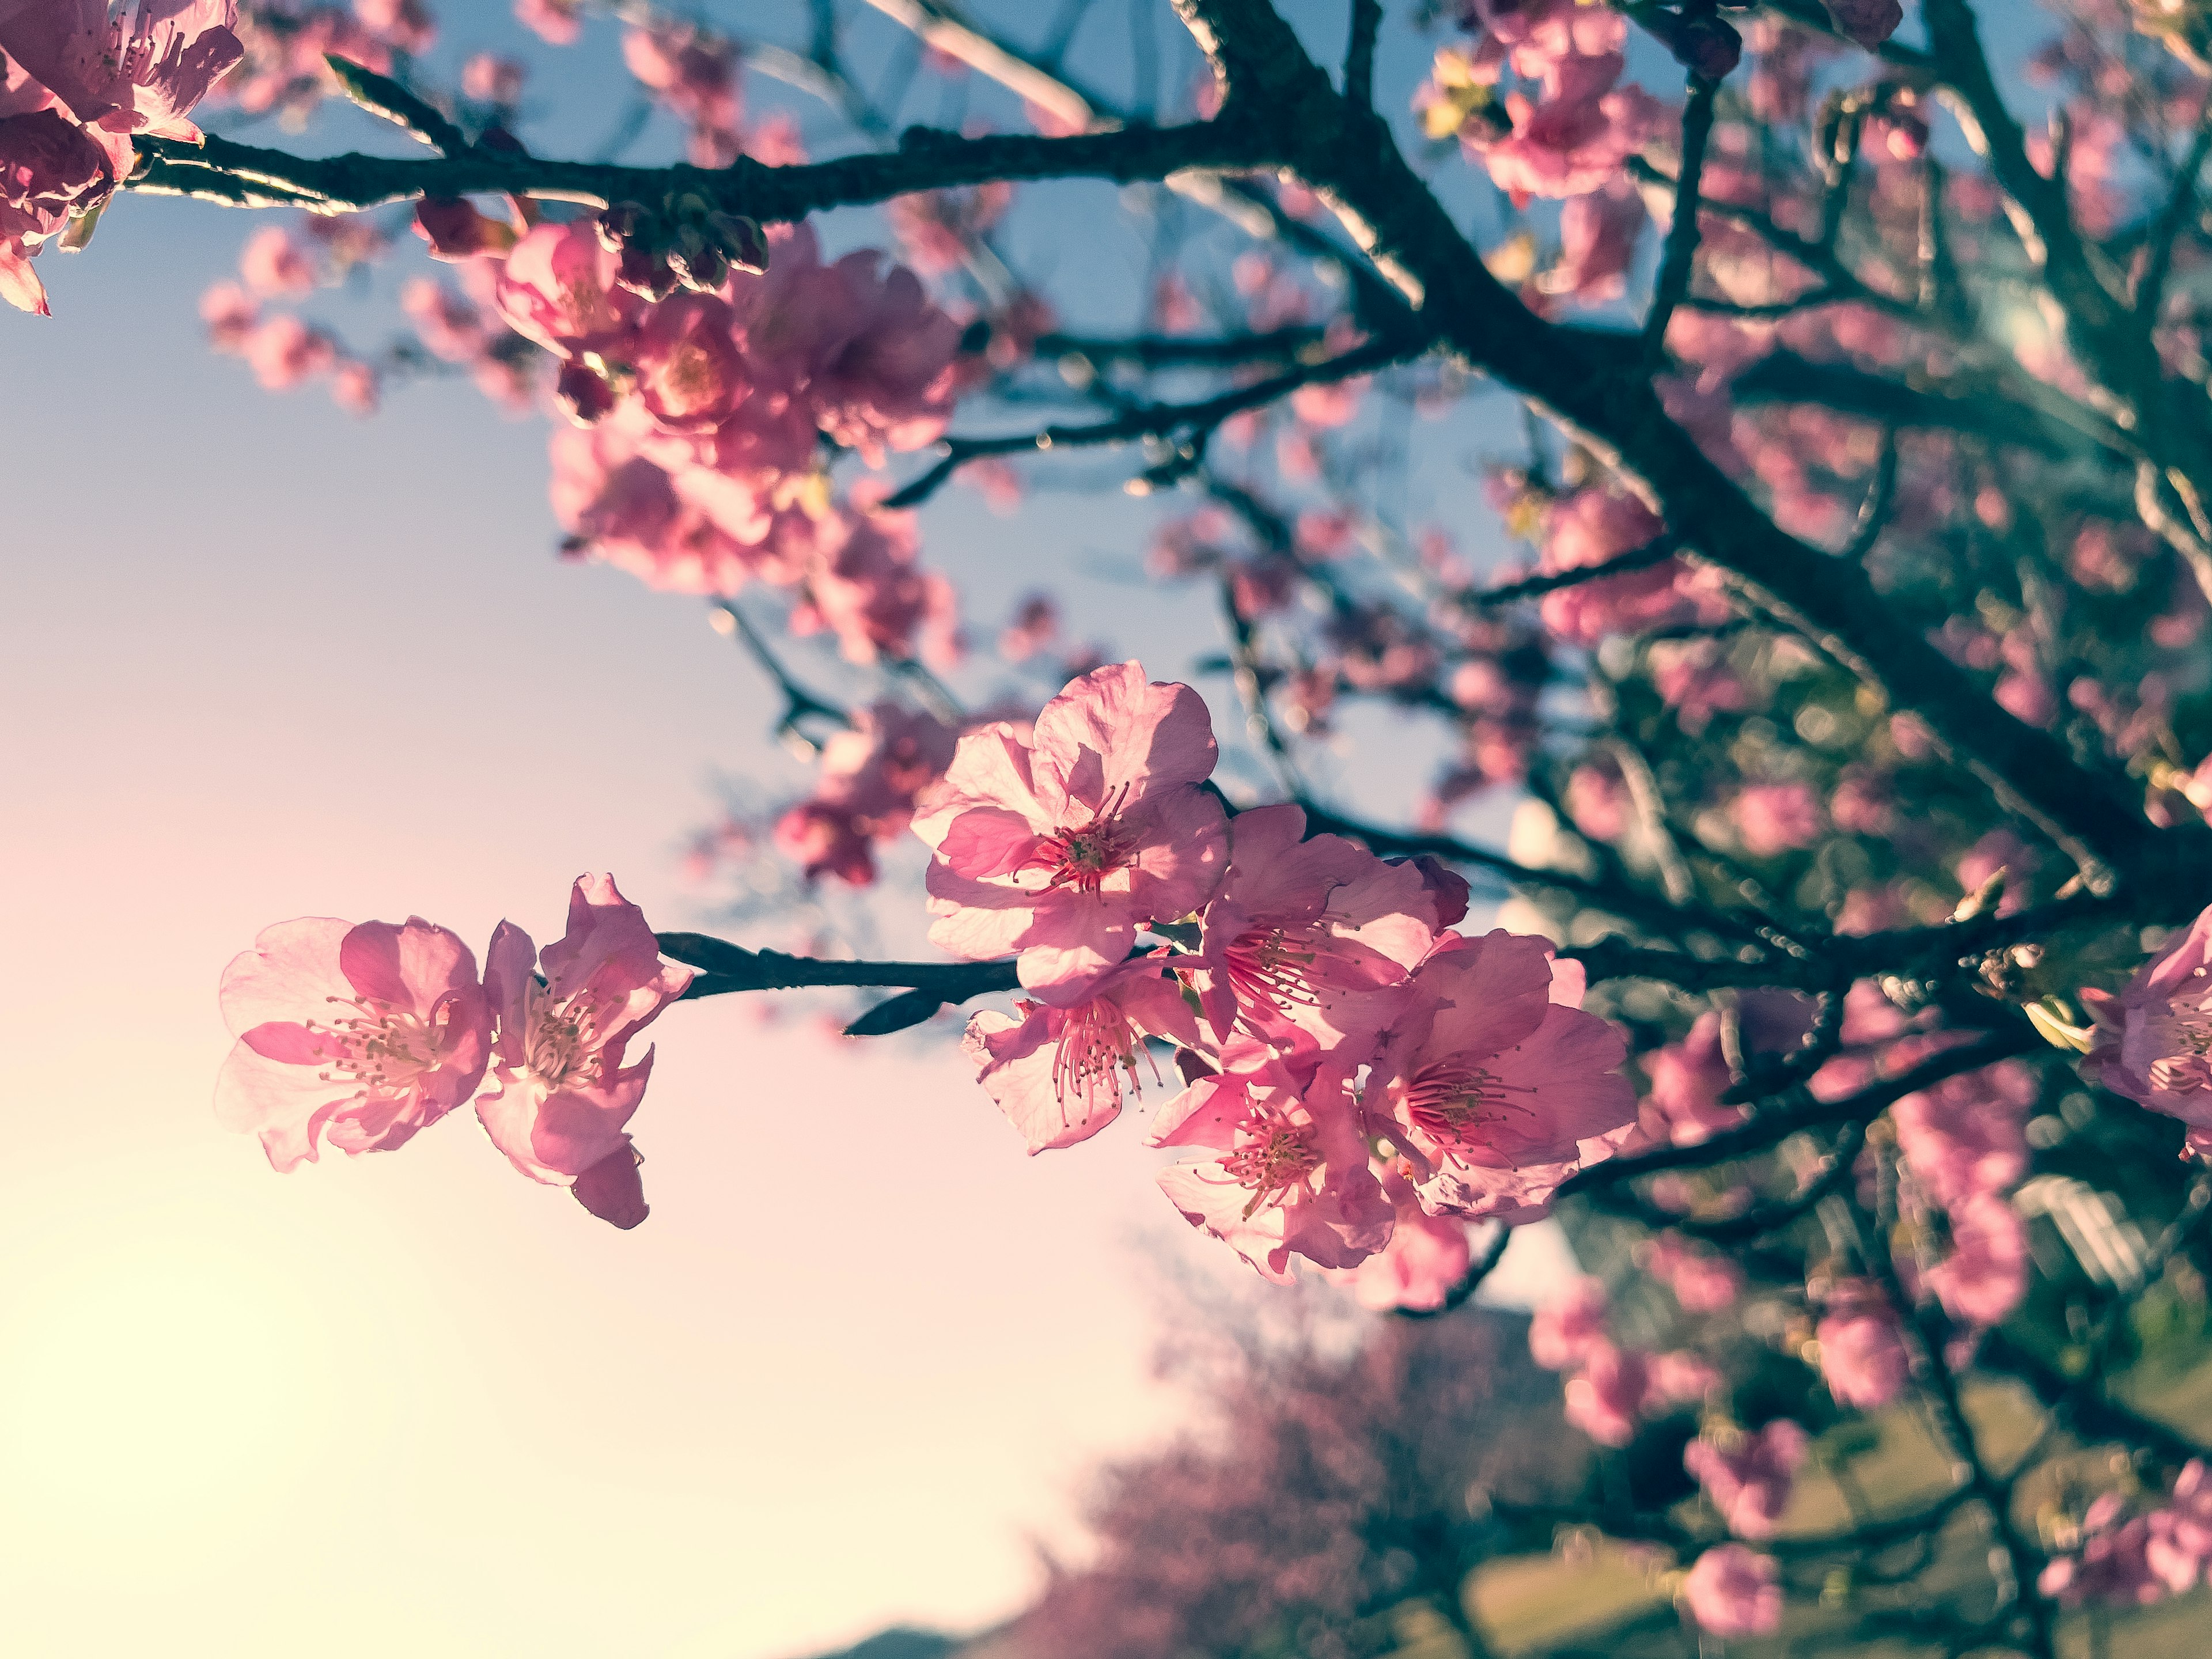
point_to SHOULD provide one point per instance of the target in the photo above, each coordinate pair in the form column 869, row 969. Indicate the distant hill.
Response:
column 901, row 1642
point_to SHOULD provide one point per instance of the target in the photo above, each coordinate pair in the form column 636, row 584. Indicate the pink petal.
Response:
column 291, row 974
column 613, row 1189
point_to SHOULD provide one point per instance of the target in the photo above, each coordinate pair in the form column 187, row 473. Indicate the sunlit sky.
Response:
column 265, row 660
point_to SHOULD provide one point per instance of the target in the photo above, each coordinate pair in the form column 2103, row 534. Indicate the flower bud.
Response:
column 619, row 224
column 584, row 395
column 743, row 239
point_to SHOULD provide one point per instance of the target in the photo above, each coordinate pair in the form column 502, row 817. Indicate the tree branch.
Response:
column 1156, row 420
column 730, row 967
column 1771, row 1128
column 1678, row 258
column 244, row 175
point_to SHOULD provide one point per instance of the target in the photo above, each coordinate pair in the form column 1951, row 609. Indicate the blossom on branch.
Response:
column 1288, row 1171
column 360, row 1034
column 562, row 1098
column 1482, row 1071
column 1060, row 1071
column 1059, row 847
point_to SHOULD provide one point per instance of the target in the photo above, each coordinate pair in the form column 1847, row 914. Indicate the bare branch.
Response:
column 1678, row 258
column 1194, row 420
column 927, row 160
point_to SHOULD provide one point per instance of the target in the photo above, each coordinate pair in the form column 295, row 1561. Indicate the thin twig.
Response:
column 1681, row 248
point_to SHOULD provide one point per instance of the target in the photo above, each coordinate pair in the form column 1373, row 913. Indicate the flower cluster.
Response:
column 700, row 412
column 2153, row 1040
column 2141, row 1557
column 359, row 1035
column 78, row 78
column 1348, row 1059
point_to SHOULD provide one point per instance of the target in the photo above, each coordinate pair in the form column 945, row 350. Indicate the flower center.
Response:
column 1273, row 1157
column 384, row 1049
column 1096, row 1049
column 1082, row 858
column 1273, row 966
column 1452, row 1102
column 2183, row 1033
column 562, row 1045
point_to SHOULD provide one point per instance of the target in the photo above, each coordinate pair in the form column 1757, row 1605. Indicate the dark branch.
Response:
column 732, row 968
column 244, row 175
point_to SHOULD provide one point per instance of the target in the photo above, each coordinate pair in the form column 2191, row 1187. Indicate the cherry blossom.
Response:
column 1425, row 1262
column 1733, row 1592
column 1609, row 1396
column 1307, row 935
column 1060, row 846
column 1570, row 1327
column 1593, row 526
column 1968, row 1134
column 1749, row 1481
column 1985, row 1276
column 2153, row 1039
column 1059, row 1072
column 2113, row 1564
column 1862, row 1358
column 359, row 1034
column 1482, row 1070
column 138, row 67
column 561, row 1097
column 1287, row 1172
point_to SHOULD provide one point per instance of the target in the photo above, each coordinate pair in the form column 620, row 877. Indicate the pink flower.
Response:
column 869, row 778
column 1058, row 1074
column 50, row 171
column 692, row 375
column 272, row 262
column 451, row 328
column 1749, row 1482
column 491, row 79
column 1062, row 847
column 1425, row 1260
column 2179, row 1547
column 1593, row 526
column 1307, row 936
column 1968, row 1134
column 1609, row 1397
column 888, row 382
column 561, row 1097
column 1287, row 1172
column 2114, row 1564
column 1568, row 1329
column 2154, row 1040
column 691, row 71
column 355, row 388
column 362, row 1033
column 1683, row 1377
column 139, row 75
column 284, row 352
column 557, row 288
column 867, row 585
column 1598, row 233
column 1732, row 1591
column 1774, row 818
column 230, row 315
column 1703, row 1283
column 551, row 20
column 1985, row 1276
column 1482, row 1070
column 404, row 25
column 1863, row 1357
